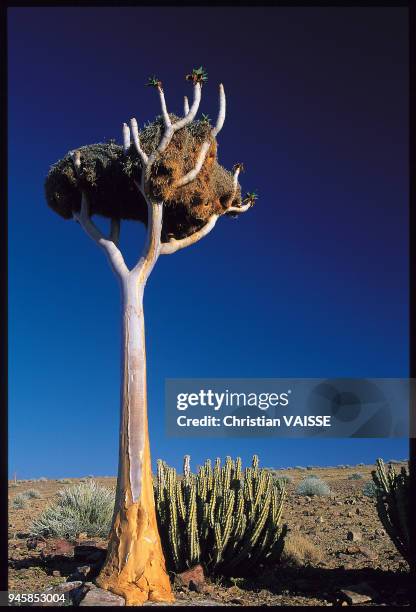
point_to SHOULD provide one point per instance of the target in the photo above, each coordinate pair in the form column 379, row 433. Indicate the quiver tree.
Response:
column 167, row 176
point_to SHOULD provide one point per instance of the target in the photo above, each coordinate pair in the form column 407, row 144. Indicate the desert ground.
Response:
column 337, row 552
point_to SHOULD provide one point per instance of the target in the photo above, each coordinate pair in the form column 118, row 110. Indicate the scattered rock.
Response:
column 100, row 597
column 69, row 589
column 85, row 572
column 56, row 548
column 90, row 585
column 368, row 553
column 354, row 536
column 352, row 550
column 358, row 594
column 64, row 587
column 194, row 575
column 36, row 542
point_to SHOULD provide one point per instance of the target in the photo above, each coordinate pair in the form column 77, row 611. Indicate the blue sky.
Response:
column 312, row 282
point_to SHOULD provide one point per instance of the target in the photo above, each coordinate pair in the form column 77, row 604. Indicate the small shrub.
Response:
column 298, row 551
column 299, row 467
column 83, row 508
column 20, row 501
column 313, row 486
column 309, row 467
column 64, row 481
column 32, row 494
column 360, row 464
column 355, row 476
column 369, row 489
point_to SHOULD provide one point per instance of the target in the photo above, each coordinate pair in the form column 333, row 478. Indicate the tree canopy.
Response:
column 109, row 177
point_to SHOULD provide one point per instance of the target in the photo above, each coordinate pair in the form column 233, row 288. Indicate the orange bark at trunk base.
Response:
column 135, row 565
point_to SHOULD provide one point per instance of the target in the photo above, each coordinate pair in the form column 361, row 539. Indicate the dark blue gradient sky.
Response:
column 312, row 282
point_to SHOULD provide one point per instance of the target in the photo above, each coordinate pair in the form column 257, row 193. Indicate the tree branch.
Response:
column 167, row 248
column 192, row 174
column 113, row 253
column 237, row 209
column 221, row 112
column 126, row 137
column 151, row 249
column 185, row 105
column 235, row 184
column 136, row 140
column 191, row 113
column 108, row 244
column 165, row 113
column 171, row 128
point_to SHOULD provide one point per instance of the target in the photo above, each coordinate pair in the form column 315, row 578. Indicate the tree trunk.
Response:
column 135, row 565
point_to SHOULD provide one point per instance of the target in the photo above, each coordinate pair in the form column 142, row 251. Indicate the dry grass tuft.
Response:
column 299, row 551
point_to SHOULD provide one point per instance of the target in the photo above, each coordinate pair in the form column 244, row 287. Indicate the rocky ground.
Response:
column 337, row 553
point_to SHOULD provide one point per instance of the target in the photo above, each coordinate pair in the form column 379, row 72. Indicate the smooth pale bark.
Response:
column 135, row 565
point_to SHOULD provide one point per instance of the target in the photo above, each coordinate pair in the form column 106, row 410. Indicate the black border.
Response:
column 4, row 221
column 412, row 274
column 4, row 309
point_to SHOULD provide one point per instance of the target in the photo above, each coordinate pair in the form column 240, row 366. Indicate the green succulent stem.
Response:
column 226, row 520
column 392, row 502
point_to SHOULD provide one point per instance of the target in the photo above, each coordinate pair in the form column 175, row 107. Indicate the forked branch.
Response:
column 136, row 140
column 192, row 174
column 155, row 210
column 167, row 248
column 170, row 128
column 108, row 244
